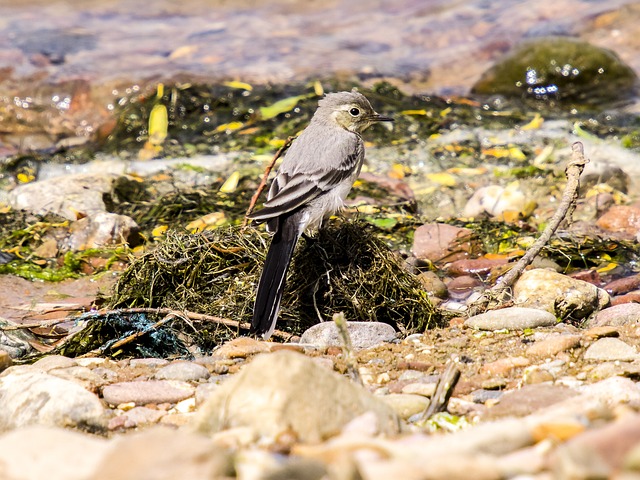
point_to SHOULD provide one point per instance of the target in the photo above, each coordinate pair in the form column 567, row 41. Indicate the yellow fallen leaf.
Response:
column 505, row 152
column 414, row 112
column 445, row 112
column 397, row 171
column 534, row 124
column 608, row 267
column 5, row 208
column 231, row 184
column 231, row 126
column 443, row 178
column 158, row 125
column 281, row 106
column 159, row 230
column 561, row 430
column 239, row 85
column 211, row 220
column 318, row 89
column 467, row 171
column 25, row 177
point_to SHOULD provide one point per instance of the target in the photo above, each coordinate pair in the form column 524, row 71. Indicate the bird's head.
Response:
column 350, row 110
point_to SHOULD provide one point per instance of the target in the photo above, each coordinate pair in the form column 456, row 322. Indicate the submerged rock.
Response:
column 287, row 392
column 560, row 69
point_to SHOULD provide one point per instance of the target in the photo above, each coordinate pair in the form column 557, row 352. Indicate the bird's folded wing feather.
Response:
column 290, row 191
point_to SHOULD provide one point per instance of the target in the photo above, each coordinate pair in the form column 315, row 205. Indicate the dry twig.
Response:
column 265, row 178
column 347, row 348
column 567, row 205
column 444, row 388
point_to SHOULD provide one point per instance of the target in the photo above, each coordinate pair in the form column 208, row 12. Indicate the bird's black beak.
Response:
column 376, row 117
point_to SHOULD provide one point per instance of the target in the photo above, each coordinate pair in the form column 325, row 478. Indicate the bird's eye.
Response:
column 354, row 112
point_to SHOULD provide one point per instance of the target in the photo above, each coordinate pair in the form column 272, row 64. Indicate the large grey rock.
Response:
column 565, row 297
column 363, row 334
column 67, row 195
column 34, row 397
column 512, row 318
column 37, row 452
column 288, row 392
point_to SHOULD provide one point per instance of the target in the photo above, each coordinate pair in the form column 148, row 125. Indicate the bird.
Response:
column 315, row 176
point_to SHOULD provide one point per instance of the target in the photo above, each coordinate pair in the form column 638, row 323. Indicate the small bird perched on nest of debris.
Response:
column 315, row 176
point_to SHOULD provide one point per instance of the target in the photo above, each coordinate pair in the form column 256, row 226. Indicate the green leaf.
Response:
column 281, row 106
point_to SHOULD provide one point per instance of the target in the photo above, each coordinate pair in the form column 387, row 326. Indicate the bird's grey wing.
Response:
column 291, row 191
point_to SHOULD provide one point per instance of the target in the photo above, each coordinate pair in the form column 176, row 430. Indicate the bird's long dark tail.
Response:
column 272, row 280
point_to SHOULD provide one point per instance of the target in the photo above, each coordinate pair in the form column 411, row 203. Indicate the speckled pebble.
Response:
column 553, row 345
column 363, row 334
column 513, row 318
column 145, row 392
column 183, row 371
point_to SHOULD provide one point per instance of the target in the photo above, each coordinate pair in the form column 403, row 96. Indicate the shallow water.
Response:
column 437, row 46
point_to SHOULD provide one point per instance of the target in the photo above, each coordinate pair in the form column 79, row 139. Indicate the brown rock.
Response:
column 439, row 242
column 600, row 332
column 631, row 297
column 599, row 452
column 475, row 266
column 553, row 345
column 591, row 276
column 623, row 285
column 242, row 347
column 621, row 219
column 529, row 399
column 145, row 392
column 462, row 287
column 504, row 365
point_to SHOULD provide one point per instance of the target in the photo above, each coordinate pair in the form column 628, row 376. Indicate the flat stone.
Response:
column 610, row 349
column 503, row 366
column 419, row 388
column 54, row 361
column 288, row 392
column 482, row 395
column 183, row 371
column 441, row 242
column 242, row 347
column 552, row 345
column 617, row 316
column 512, row 318
column 39, row 452
column 137, row 417
column 145, row 392
column 623, row 285
column 84, row 376
column 363, row 334
column 561, row 295
column 148, row 362
column 34, row 397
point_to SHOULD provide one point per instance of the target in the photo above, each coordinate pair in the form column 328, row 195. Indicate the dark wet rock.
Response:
column 565, row 297
column 312, row 403
column 461, row 287
column 623, row 285
column 560, row 69
column 101, row 230
column 599, row 452
column 69, row 196
column 475, row 266
column 33, row 397
column 35, row 453
column 164, row 454
column 440, row 242
column 363, row 334
column 432, row 284
column 528, row 399
column 183, row 371
column 611, row 349
column 406, row 405
column 553, row 344
column 144, row 392
column 621, row 219
column 512, row 318
column 617, row 315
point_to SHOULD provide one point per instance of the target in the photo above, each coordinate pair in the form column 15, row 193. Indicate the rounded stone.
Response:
column 183, row 371
column 363, row 334
column 145, row 392
column 611, row 349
